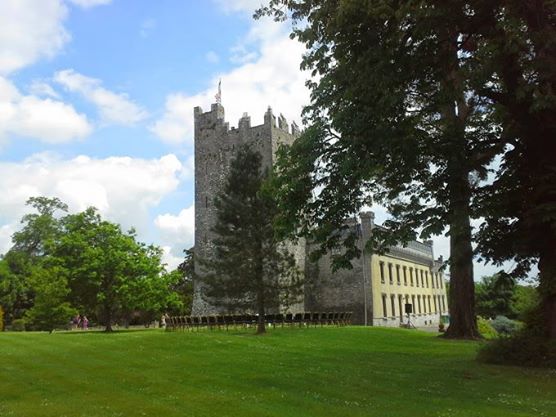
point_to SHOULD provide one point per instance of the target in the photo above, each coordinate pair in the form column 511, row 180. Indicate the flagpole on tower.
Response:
column 218, row 95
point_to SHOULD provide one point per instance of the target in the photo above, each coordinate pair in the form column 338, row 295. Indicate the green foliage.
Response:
column 183, row 281
column 108, row 270
column 18, row 325
column 183, row 288
column 504, row 326
column 16, row 294
column 525, row 299
column 499, row 295
column 494, row 295
column 528, row 346
column 63, row 263
column 485, row 328
column 392, row 120
column 521, row 350
column 51, row 309
column 40, row 230
column 250, row 270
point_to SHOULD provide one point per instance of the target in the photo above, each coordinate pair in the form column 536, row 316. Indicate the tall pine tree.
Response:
column 251, row 270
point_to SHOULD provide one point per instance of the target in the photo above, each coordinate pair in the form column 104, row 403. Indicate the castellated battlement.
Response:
column 214, row 119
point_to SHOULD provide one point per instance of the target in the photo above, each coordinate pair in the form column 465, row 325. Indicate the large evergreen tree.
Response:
column 250, row 269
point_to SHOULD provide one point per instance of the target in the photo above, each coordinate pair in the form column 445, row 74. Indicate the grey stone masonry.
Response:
column 215, row 147
column 344, row 289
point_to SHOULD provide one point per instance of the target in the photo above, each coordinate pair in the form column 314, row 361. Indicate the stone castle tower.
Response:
column 215, row 146
column 376, row 288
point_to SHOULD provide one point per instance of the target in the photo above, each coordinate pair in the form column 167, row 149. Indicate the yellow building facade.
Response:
column 407, row 279
column 380, row 289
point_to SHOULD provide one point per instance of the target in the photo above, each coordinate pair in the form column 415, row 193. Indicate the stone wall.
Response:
column 344, row 289
column 215, row 147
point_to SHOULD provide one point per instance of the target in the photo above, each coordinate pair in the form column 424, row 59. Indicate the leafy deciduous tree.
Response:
column 51, row 308
column 108, row 269
column 392, row 120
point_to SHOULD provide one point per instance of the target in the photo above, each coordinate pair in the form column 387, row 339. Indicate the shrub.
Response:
column 527, row 347
column 522, row 349
column 18, row 325
column 485, row 328
column 504, row 326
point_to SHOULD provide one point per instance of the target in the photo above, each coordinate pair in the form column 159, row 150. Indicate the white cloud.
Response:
column 123, row 189
column 180, row 227
column 6, row 232
column 33, row 29
column 41, row 88
column 113, row 108
column 89, row 3
column 178, row 231
column 48, row 120
column 30, row 30
column 172, row 261
column 272, row 79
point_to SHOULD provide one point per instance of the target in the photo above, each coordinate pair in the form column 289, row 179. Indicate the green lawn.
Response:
column 328, row 372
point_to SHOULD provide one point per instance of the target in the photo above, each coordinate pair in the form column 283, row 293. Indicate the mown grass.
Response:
column 328, row 372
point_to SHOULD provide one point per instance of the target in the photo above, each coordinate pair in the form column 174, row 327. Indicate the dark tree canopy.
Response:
column 516, row 44
column 251, row 270
column 392, row 120
column 412, row 102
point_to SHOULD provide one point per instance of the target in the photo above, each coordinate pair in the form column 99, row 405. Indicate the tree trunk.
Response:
column 261, row 328
column 108, row 318
column 463, row 323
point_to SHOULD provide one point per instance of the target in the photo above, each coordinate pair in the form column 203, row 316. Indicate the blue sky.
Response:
column 97, row 97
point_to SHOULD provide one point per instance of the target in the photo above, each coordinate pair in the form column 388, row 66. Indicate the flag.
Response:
column 218, row 95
